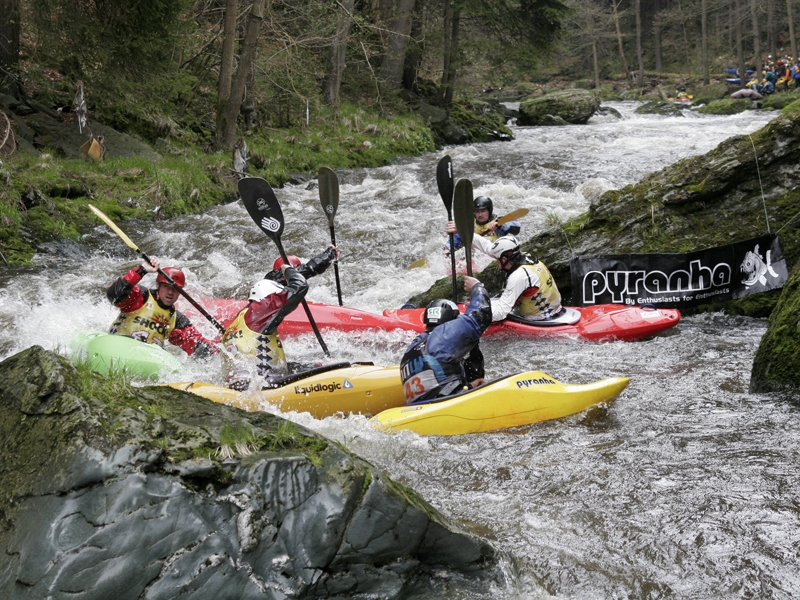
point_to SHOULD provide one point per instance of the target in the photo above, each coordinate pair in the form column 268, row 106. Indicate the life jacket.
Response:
column 150, row 323
column 485, row 231
column 243, row 347
column 424, row 377
column 542, row 302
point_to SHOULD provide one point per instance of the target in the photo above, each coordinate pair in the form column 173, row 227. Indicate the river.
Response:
column 686, row 486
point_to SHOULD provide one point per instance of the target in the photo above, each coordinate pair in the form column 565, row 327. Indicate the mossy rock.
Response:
column 728, row 106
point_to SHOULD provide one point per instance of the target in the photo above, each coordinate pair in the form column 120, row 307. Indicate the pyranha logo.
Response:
column 755, row 269
column 261, row 204
column 270, row 224
column 621, row 283
column 539, row 381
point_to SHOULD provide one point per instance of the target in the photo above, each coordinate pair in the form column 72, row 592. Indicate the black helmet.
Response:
column 440, row 311
column 484, row 203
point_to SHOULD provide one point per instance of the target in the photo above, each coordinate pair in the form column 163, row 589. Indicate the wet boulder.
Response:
column 775, row 364
column 573, row 106
column 665, row 108
column 110, row 491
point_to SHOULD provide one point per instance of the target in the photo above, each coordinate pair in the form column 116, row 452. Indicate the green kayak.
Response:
column 106, row 352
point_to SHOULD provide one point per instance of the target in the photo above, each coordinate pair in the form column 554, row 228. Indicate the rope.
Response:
column 758, row 170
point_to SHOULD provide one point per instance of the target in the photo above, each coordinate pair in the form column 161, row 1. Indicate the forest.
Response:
column 290, row 85
column 277, row 63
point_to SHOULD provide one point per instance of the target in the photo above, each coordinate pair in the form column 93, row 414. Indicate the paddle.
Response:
column 262, row 205
column 135, row 248
column 329, row 197
column 444, row 181
column 465, row 218
column 512, row 216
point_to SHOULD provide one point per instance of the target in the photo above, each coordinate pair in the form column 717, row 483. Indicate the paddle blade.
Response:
column 114, row 228
column 444, row 180
column 328, row 192
column 262, row 205
column 512, row 216
column 464, row 209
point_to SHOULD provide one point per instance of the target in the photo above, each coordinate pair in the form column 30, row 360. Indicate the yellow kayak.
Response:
column 326, row 391
column 512, row 401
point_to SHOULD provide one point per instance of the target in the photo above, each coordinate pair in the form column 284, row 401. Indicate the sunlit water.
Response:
column 684, row 487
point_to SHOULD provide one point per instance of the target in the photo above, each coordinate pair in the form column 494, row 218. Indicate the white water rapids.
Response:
column 686, row 486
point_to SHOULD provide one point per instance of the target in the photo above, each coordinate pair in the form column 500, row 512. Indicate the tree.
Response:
column 228, row 112
column 338, row 52
column 9, row 46
column 398, row 18
column 620, row 45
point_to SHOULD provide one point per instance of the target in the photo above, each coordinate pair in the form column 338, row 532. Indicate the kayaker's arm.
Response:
column 316, row 266
column 516, row 284
column 187, row 337
column 296, row 289
column 125, row 293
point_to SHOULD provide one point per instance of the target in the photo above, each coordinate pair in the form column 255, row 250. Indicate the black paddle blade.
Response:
column 328, row 192
column 262, row 205
column 464, row 209
column 444, row 180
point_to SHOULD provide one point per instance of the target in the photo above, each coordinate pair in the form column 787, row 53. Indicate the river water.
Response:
column 686, row 486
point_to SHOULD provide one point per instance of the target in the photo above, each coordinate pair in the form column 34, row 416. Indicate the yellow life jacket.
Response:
column 149, row 323
column 489, row 235
column 245, row 347
column 543, row 302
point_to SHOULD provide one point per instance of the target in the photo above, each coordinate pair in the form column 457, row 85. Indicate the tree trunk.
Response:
column 639, row 56
column 737, row 19
column 619, row 41
column 790, row 20
column 451, row 54
column 447, row 52
column 414, row 50
column 659, row 55
column 399, row 36
column 9, row 47
column 756, row 37
column 228, row 50
column 596, row 65
column 227, row 117
column 704, row 40
column 336, row 58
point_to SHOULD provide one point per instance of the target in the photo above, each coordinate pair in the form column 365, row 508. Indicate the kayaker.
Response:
column 150, row 315
column 529, row 291
column 446, row 358
column 316, row 266
column 251, row 343
column 486, row 223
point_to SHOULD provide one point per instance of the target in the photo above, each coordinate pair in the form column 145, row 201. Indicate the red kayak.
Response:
column 596, row 323
column 326, row 316
column 603, row 322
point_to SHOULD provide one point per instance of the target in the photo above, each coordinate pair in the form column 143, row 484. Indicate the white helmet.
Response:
column 264, row 288
column 502, row 245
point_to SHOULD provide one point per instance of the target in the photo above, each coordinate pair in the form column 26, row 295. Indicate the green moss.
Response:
column 728, row 106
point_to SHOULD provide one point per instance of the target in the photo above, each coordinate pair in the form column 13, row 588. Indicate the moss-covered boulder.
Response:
column 727, row 106
column 700, row 202
column 661, row 107
column 775, row 367
column 108, row 491
column 573, row 106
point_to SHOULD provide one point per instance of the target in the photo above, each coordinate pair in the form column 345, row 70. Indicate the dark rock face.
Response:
column 108, row 491
column 556, row 108
column 775, row 367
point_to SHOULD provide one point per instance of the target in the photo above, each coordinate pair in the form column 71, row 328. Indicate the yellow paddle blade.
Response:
column 114, row 228
column 422, row 262
column 513, row 216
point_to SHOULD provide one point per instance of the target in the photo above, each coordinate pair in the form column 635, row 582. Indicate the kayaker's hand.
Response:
column 470, row 282
column 476, row 382
column 450, row 228
column 335, row 247
column 152, row 266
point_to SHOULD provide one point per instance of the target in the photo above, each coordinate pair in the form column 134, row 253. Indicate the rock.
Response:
column 573, row 106
column 433, row 115
column 109, row 491
column 775, row 364
column 608, row 111
column 660, row 107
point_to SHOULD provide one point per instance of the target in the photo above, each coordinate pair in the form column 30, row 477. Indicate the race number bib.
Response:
column 420, row 384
